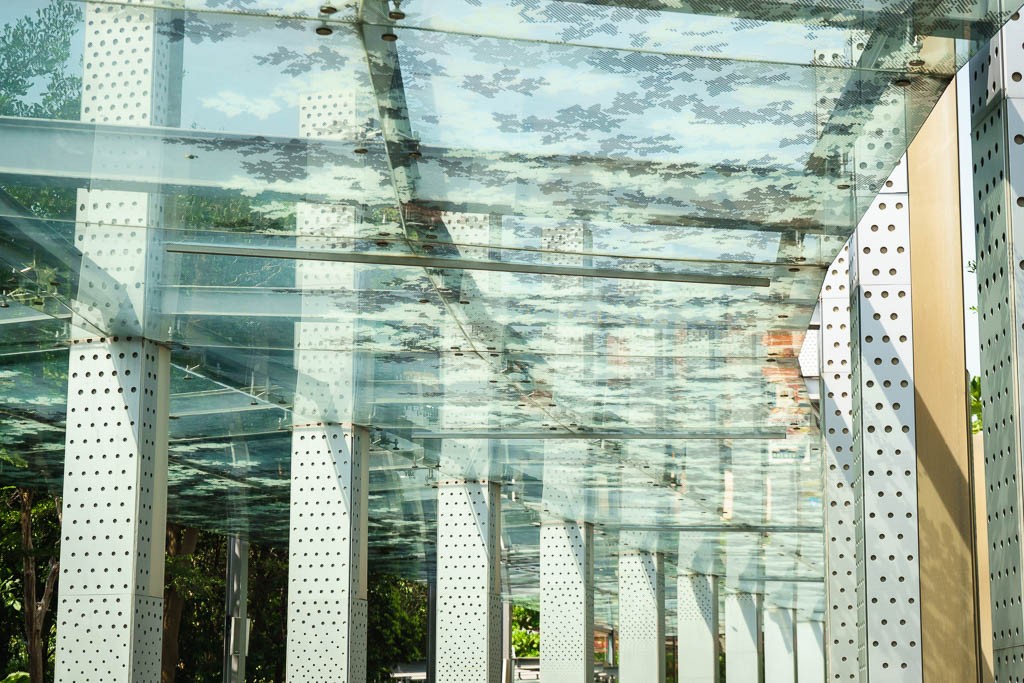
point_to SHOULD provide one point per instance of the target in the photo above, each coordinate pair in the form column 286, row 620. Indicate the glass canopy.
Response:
column 564, row 236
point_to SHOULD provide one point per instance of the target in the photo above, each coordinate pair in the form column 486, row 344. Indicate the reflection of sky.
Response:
column 270, row 72
column 630, row 28
column 524, row 97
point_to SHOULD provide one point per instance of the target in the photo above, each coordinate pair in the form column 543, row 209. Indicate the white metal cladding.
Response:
column 110, row 615
column 567, row 602
column 743, row 655
column 468, row 617
column 840, row 475
column 117, row 232
column 326, row 554
column 997, row 155
column 885, row 456
column 641, row 616
column 779, row 645
column 697, row 614
column 810, row 651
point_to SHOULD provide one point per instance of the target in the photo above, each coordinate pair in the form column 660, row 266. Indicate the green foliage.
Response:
column 525, row 631
column 34, row 55
column 10, row 590
column 46, row 533
column 976, row 425
column 16, row 677
column 396, row 624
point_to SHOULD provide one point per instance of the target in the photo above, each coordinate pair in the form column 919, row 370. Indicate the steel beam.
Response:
column 387, row 259
column 236, row 610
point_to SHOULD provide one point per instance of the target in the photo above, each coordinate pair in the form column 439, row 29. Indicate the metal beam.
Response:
column 379, row 259
column 602, row 436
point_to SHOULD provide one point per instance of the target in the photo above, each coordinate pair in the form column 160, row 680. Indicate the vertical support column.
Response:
column 840, row 475
column 326, row 554
column 641, row 617
column 947, row 533
column 810, row 651
column 507, row 663
column 743, row 656
column 236, row 610
column 997, row 127
column 327, row 568
column 110, row 614
column 468, row 582
column 884, row 439
column 432, row 630
column 779, row 645
column 567, row 602
column 697, row 612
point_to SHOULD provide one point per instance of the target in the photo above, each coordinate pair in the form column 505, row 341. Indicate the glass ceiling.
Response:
column 555, row 242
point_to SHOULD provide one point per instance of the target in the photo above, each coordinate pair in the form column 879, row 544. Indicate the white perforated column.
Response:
column 885, row 456
column 469, row 645
column 779, row 645
column 697, row 613
column 840, row 476
column 641, row 617
column 744, row 660
column 110, row 614
column 567, row 602
column 997, row 120
column 810, row 651
column 326, row 554
column 327, row 542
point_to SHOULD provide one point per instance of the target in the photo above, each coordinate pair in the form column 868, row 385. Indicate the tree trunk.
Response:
column 181, row 541
column 35, row 609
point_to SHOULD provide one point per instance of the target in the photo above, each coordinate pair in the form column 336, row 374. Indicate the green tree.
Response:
column 35, row 51
column 976, row 425
column 30, row 536
column 525, row 631
column 396, row 624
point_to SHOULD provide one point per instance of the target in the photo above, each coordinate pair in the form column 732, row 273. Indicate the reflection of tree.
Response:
column 34, row 55
column 297, row 63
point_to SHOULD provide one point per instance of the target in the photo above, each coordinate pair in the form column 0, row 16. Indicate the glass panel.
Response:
column 583, row 235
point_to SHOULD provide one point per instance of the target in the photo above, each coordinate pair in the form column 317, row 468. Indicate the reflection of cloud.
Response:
column 233, row 104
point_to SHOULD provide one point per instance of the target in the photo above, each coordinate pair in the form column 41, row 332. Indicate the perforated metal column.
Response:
column 779, row 630
column 840, row 476
column 110, row 614
column 884, row 447
column 326, row 554
column 810, row 651
column 567, row 602
column 641, row 617
column 697, row 612
column 997, row 120
column 469, row 647
column 744, row 660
